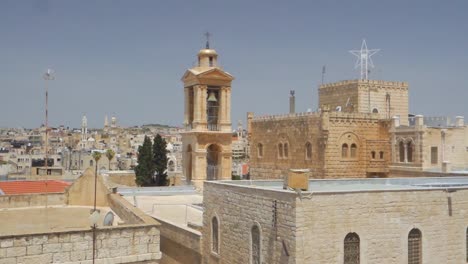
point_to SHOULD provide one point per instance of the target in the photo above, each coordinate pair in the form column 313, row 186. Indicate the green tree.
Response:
column 160, row 160
column 110, row 154
column 144, row 171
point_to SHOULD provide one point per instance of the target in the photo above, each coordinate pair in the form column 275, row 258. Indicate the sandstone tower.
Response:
column 388, row 99
column 207, row 119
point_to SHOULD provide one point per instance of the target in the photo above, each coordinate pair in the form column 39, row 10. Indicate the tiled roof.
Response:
column 22, row 187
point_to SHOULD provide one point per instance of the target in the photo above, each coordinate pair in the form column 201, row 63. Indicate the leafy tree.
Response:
column 145, row 169
column 160, row 160
column 110, row 154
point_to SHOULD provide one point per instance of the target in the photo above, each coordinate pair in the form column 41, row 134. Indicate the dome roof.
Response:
column 207, row 52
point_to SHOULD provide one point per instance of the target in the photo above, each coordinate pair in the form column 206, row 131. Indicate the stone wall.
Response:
column 27, row 200
column 238, row 209
column 314, row 225
column 123, row 244
column 180, row 245
column 296, row 131
column 326, row 132
column 382, row 220
column 363, row 96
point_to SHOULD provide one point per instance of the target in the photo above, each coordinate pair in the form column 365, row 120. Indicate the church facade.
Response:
column 361, row 130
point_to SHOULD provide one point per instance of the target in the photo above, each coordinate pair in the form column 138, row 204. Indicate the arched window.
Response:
column 409, row 150
column 381, row 154
column 286, row 150
column 414, row 247
column 260, row 150
column 353, row 150
column 344, row 150
column 401, row 151
column 373, row 154
column 280, row 150
column 90, row 162
column 214, row 235
column 375, row 111
column 256, row 246
column 351, row 249
column 308, row 151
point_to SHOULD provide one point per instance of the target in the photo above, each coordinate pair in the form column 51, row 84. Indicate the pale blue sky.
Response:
column 127, row 57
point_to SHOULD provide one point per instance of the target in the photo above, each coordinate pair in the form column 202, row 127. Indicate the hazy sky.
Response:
column 127, row 57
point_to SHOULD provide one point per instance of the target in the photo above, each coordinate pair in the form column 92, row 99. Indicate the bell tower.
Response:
column 207, row 119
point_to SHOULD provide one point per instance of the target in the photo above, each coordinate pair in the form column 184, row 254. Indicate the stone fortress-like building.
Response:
column 362, row 129
column 207, row 119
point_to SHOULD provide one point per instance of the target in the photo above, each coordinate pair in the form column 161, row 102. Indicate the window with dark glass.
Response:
column 214, row 235
column 308, row 149
column 414, row 247
column 353, row 150
column 351, row 249
column 255, row 250
column 344, row 150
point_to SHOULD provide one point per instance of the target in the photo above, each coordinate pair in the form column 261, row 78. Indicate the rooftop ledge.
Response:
column 358, row 185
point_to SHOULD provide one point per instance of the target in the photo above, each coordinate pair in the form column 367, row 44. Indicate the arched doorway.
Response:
column 213, row 162
column 188, row 163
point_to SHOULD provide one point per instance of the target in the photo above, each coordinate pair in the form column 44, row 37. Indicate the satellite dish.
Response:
column 338, row 108
column 109, row 219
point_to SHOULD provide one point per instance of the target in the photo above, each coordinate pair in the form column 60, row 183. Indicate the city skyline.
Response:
column 126, row 58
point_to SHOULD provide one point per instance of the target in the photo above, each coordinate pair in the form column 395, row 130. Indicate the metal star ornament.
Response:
column 364, row 59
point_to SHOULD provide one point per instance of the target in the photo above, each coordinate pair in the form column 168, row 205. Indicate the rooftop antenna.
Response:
column 207, row 35
column 324, row 68
column 364, row 59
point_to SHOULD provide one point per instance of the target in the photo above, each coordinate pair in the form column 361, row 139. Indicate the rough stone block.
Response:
column 51, row 248
column 39, row 240
column 8, row 261
column 153, row 248
column 16, row 251
column 77, row 255
column 64, row 238
column 61, row 257
column 67, row 247
column 78, row 237
column 21, row 242
column 6, row 243
column 77, row 246
column 34, row 250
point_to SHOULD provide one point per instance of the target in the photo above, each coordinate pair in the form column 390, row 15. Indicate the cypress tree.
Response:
column 160, row 160
column 144, row 171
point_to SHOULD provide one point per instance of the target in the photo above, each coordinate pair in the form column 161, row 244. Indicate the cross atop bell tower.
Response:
column 207, row 119
column 207, row 35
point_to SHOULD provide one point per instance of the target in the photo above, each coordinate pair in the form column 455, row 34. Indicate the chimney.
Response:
column 292, row 102
column 396, row 121
column 459, row 121
column 419, row 120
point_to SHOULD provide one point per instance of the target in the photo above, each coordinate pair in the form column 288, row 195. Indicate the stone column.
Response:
column 405, row 146
column 228, row 105
column 196, row 105
column 187, row 106
column 203, row 96
column 222, row 108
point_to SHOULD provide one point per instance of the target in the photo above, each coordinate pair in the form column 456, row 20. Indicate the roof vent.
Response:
column 297, row 179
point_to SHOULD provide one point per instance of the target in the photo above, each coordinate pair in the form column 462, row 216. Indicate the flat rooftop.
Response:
column 358, row 185
column 31, row 220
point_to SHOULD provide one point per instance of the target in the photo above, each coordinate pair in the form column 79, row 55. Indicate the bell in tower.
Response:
column 207, row 120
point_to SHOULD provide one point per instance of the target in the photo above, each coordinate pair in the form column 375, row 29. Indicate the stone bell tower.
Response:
column 207, row 138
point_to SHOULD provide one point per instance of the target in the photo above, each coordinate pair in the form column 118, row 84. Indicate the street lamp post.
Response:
column 95, row 214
